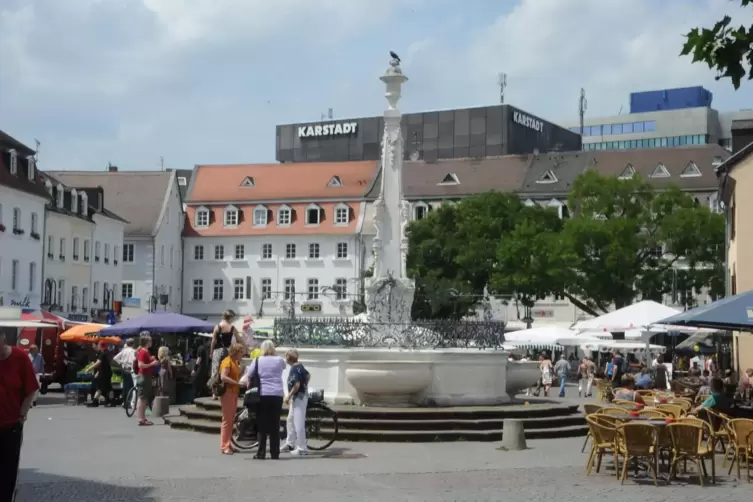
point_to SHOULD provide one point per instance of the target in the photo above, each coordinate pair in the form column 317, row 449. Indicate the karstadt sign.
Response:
column 528, row 121
column 327, row 130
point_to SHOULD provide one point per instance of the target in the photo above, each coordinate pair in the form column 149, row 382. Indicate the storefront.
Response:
column 429, row 136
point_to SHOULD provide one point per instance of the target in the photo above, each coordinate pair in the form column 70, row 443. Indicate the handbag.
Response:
column 217, row 385
column 253, row 394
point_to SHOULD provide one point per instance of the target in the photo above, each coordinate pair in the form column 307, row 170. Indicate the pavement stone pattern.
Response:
column 79, row 454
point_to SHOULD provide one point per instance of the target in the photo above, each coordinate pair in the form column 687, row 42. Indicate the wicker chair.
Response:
column 692, row 440
column 685, row 404
column 646, row 394
column 603, row 432
column 611, row 410
column 718, row 422
column 740, row 431
column 635, row 440
column 653, row 413
column 589, row 409
column 700, row 398
column 624, row 402
column 674, row 410
column 603, row 390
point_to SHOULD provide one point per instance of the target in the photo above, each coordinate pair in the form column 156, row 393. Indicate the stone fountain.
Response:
column 394, row 361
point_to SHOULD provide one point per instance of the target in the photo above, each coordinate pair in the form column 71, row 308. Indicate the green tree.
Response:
column 724, row 48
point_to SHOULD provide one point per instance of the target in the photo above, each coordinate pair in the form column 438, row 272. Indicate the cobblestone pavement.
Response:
column 79, row 454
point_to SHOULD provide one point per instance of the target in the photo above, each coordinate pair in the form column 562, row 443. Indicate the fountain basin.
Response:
column 400, row 377
column 521, row 376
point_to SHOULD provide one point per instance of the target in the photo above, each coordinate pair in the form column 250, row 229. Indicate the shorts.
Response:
column 145, row 386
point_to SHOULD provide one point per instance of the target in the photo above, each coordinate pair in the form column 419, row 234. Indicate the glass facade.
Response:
column 611, row 129
column 696, row 139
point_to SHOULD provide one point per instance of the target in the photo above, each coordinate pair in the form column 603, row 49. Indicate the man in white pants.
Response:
column 297, row 401
column 587, row 378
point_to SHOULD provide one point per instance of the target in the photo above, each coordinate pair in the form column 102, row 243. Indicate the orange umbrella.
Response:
column 84, row 333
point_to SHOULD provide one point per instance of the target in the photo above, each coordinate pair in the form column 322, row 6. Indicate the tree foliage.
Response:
column 724, row 48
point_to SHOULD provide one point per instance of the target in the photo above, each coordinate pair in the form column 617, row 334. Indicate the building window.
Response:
column 260, row 216
column 97, row 249
column 60, row 195
column 14, row 271
column 266, row 251
column 87, row 250
column 75, row 248
column 85, row 299
column 114, row 254
column 342, row 214
column 61, row 292
column 313, row 289
column 127, row 253
column 182, row 181
column 198, row 290
column 162, row 255
column 284, row 216
column 420, row 210
column 231, row 217
column 126, row 290
column 32, row 275
column 290, row 251
column 314, row 251
column 238, row 289
column 95, row 293
column 202, row 218
column 313, row 215
column 341, row 289
column 289, row 289
column 342, row 250
column 218, row 290
column 34, row 224
column 16, row 218
column 266, row 289
column 74, row 298
column 198, row 252
column 62, row 249
column 13, row 162
column 32, row 165
column 50, row 244
column 219, row 252
column 240, row 251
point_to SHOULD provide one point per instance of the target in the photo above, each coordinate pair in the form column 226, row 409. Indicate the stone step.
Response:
column 382, row 435
column 386, row 422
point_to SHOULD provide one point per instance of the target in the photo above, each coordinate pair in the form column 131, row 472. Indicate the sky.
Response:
column 145, row 83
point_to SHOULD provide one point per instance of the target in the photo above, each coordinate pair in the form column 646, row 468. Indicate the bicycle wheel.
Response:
column 321, row 426
column 130, row 402
column 244, row 437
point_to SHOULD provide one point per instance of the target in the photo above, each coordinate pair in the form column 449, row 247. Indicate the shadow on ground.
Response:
column 40, row 487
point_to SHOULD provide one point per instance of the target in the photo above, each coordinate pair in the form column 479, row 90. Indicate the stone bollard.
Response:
column 513, row 435
column 161, row 406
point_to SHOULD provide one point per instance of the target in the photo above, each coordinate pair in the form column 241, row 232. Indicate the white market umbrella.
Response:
column 641, row 315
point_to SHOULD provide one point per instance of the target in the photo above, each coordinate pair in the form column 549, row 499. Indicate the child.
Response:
column 297, row 401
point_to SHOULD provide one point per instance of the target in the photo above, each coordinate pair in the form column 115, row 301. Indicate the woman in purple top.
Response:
column 269, row 367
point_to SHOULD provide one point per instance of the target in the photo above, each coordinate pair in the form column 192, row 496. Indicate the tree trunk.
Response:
column 581, row 305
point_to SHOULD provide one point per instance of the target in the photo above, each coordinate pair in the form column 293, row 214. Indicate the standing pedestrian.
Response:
column 546, row 373
column 562, row 369
column 297, row 401
column 145, row 364
column 125, row 359
column 269, row 368
column 102, row 377
column 230, row 373
column 200, row 371
column 223, row 337
column 18, row 385
column 37, row 362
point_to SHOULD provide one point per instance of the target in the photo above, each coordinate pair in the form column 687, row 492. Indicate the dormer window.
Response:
column 342, row 214
column 84, row 204
column 231, row 216
column 659, row 172
column 32, row 167
column 335, row 182
column 201, row 219
column 13, row 162
column 284, row 216
column 48, row 186
column 313, row 214
column 74, row 201
column 547, row 177
column 450, row 179
column 248, row 182
column 261, row 216
column 420, row 210
column 60, row 196
column 690, row 171
column 627, row 173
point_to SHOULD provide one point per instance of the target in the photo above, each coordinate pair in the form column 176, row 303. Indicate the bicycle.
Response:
column 319, row 417
column 131, row 400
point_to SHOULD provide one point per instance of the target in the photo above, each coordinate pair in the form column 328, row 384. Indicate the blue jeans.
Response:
column 563, row 381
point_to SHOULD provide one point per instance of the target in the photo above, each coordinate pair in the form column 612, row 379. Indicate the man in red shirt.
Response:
column 18, row 385
column 145, row 364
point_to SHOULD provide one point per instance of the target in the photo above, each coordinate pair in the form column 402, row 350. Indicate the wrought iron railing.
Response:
column 349, row 332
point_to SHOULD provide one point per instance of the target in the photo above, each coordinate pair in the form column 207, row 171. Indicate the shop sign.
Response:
column 527, row 121
column 311, row 307
column 327, row 130
column 24, row 303
column 542, row 313
column 78, row 317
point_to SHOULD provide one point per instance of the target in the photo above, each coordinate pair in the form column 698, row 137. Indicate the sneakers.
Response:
column 299, row 452
column 286, row 448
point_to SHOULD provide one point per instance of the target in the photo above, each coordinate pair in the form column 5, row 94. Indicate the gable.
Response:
column 248, row 182
column 690, row 171
column 335, row 182
column 659, row 172
column 547, row 177
column 627, row 173
column 450, row 179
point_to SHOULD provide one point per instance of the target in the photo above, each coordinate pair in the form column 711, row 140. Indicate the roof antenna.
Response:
column 502, row 83
column 162, row 163
column 36, row 152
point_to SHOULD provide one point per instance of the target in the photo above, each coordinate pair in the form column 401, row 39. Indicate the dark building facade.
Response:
column 451, row 134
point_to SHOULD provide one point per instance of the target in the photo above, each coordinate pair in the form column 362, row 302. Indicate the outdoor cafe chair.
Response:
column 589, row 409
column 603, row 431
column 652, row 413
column 740, row 431
column 718, row 422
column 635, row 440
column 674, row 410
column 646, row 393
column 624, row 402
column 613, row 410
column 692, row 440
column 682, row 403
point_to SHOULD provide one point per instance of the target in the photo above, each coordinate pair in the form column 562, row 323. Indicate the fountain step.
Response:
column 435, row 423
column 388, row 436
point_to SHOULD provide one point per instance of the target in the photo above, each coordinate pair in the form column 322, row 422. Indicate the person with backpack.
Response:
column 223, row 336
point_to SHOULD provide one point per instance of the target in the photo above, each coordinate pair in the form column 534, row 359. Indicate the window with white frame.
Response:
column 97, row 250
column 219, row 252
column 198, row 290
column 218, row 290
column 127, row 253
column 313, row 214
column 107, row 253
column 342, row 215
column 61, row 292
column 60, row 195
column 314, row 251
column 32, row 165
column 290, row 251
column 284, row 216
column 114, row 255
column 238, row 289
column 48, row 186
column 420, row 210
column 62, row 248
column 13, row 162
column 198, row 252
column 95, row 293
column 74, row 298
column 84, row 204
column 32, row 276
column 313, row 289
column 342, row 250
column 240, row 252
column 231, row 216
column 289, row 289
column 202, row 217
column 75, row 248
column 260, row 216
column 16, row 218
column 74, row 201
column 266, row 251
column 50, row 245
column 341, row 289
column 84, row 299
column 34, row 224
column 266, row 288
column 182, row 181
column 14, row 274
column 87, row 250
column 126, row 290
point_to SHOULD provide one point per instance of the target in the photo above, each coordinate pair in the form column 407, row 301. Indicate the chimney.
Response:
column 100, row 199
column 742, row 134
column 111, row 168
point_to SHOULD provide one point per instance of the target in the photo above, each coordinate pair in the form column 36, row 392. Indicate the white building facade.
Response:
column 107, row 267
